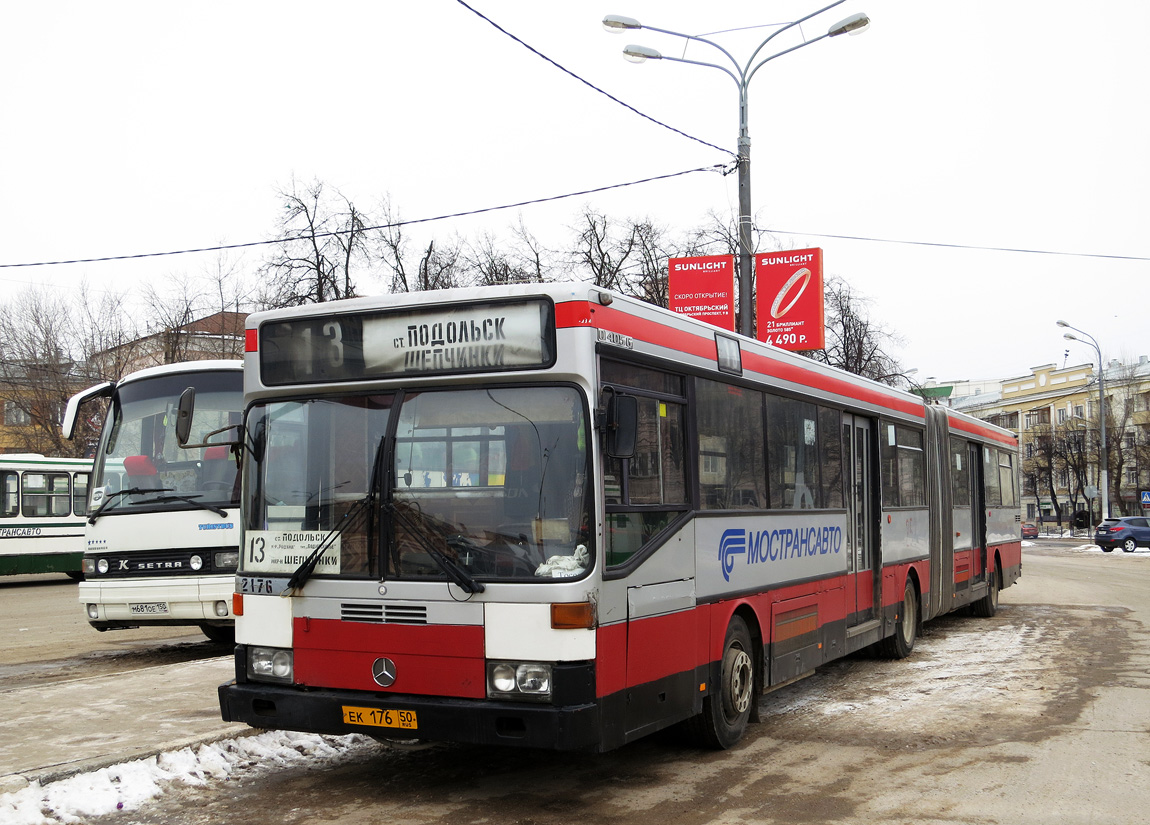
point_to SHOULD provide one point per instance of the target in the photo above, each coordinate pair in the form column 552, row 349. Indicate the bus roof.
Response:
column 662, row 333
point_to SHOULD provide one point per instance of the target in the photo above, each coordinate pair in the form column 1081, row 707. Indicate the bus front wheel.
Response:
column 726, row 710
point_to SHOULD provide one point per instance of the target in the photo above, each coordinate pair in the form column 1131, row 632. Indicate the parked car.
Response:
column 1129, row 533
column 1029, row 531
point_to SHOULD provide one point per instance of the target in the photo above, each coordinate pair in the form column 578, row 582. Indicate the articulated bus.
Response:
column 162, row 533
column 553, row 516
column 42, row 518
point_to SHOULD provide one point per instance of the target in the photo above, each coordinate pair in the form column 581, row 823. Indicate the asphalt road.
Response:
column 1039, row 715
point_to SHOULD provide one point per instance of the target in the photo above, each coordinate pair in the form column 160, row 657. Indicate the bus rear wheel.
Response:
column 900, row 644
column 987, row 606
column 727, row 710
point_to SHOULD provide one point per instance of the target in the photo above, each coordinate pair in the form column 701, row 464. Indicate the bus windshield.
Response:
column 490, row 482
column 139, row 466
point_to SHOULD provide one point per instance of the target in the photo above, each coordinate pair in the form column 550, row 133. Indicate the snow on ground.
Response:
column 961, row 665
column 131, row 784
column 1094, row 548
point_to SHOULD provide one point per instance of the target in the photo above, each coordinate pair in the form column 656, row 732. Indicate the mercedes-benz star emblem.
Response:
column 383, row 671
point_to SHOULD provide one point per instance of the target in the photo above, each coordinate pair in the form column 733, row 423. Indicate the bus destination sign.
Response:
column 473, row 337
column 464, row 339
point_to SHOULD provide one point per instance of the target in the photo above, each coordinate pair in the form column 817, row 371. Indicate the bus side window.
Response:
column 80, row 494
column 47, row 494
column 644, row 494
column 732, row 474
column 11, row 485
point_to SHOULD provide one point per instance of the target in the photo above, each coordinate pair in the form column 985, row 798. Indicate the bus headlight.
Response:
column 88, row 566
column 93, row 611
column 102, row 566
column 521, row 680
column 228, row 560
column 270, row 664
column 196, row 562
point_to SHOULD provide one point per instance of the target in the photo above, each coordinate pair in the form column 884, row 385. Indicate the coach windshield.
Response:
column 139, row 465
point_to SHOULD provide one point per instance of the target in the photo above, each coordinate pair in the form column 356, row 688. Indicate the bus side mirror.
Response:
column 622, row 426
column 72, row 411
column 184, row 413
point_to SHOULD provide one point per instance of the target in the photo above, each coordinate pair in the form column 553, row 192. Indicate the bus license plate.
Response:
column 149, row 609
column 379, row 718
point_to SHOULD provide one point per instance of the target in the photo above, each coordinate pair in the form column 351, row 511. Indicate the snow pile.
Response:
column 129, row 785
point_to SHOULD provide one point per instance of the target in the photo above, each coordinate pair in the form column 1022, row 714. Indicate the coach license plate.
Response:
column 149, row 609
column 379, row 718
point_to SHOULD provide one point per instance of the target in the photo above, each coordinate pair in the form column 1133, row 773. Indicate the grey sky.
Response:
column 141, row 127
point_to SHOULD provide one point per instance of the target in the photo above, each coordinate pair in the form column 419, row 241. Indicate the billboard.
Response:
column 703, row 288
column 789, row 300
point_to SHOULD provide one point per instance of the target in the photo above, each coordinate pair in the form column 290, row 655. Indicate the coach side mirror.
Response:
column 622, row 426
column 72, row 410
column 184, row 413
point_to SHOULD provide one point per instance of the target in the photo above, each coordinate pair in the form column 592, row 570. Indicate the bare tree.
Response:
column 603, row 250
column 490, row 263
column 437, row 266
column 108, row 340
column 855, row 342
column 325, row 238
column 199, row 317
column 43, row 363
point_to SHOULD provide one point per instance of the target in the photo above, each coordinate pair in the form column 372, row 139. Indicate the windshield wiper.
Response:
column 457, row 574
column 131, row 491
column 192, row 500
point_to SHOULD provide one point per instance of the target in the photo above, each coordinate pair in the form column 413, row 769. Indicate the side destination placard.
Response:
column 283, row 551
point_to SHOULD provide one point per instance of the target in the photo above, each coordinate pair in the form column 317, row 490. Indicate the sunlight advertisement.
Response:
column 703, row 288
column 790, row 299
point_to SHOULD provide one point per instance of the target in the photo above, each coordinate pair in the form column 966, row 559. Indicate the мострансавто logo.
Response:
column 759, row 546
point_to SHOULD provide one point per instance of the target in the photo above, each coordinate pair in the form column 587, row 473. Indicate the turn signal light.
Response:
column 573, row 616
column 237, row 604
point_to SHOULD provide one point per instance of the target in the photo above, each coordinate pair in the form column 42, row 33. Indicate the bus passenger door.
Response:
column 978, row 514
column 860, row 531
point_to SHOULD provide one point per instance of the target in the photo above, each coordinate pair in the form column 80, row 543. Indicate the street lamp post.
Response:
column 1104, row 472
column 855, row 24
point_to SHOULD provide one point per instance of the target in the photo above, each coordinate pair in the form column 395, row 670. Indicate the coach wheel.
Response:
column 726, row 711
column 219, row 635
column 901, row 643
column 1129, row 546
column 987, row 606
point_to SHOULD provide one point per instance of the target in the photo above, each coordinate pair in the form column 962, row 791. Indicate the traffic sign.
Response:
column 1146, row 498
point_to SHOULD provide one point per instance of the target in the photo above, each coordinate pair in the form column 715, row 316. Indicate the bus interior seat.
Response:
column 141, row 472
column 217, row 472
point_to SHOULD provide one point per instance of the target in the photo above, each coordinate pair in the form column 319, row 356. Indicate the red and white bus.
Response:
column 553, row 516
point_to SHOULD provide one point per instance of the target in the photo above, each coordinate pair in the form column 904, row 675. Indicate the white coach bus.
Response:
column 162, row 526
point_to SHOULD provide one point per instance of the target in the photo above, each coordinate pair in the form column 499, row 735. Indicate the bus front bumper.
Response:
column 481, row 722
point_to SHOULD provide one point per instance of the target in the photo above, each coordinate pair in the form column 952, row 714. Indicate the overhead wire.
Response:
column 724, row 169
column 721, row 168
column 588, row 83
